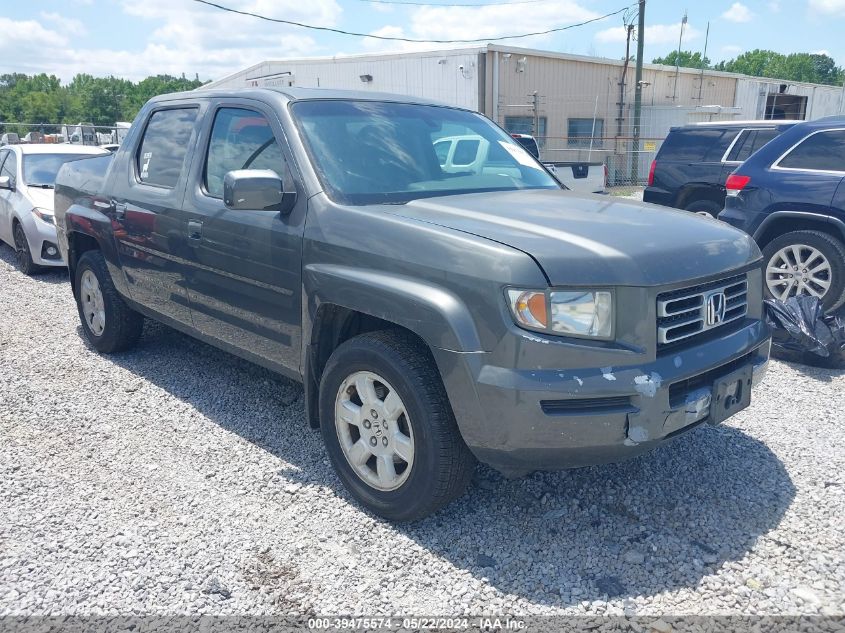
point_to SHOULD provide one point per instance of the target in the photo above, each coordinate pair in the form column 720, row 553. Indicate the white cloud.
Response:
column 738, row 12
column 774, row 6
column 732, row 49
column 461, row 23
column 832, row 7
column 185, row 37
column 64, row 24
column 654, row 33
column 823, row 51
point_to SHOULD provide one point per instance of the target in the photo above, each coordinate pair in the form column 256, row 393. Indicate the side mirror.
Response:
column 256, row 189
column 6, row 183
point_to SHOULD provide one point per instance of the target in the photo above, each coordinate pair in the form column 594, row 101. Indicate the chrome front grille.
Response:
column 689, row 312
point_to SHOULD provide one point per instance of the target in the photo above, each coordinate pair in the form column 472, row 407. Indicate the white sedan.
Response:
column 27, row 177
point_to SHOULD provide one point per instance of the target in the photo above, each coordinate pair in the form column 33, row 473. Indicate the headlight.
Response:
column 44, row 215
column 587, row 313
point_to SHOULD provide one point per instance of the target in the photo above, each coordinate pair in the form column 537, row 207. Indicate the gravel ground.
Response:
column 178, row 479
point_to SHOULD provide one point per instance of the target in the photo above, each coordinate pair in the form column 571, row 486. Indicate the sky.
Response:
column 136, row 38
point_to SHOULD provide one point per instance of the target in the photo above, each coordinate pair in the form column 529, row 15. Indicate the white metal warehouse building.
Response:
column 579, row 107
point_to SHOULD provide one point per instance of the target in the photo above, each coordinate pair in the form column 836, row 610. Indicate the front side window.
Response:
column 581, row 131
column 368, row 152
column 164, row 146
column 40, row 170
column 748, row 142
column 10, row 166
column 240, row 139
column 823, row 151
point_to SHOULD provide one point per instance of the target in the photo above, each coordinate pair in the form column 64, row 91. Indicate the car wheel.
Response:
column 389, row 428
column 705, row 207
column 22, row 254
column 806, row 262
column 109, row 324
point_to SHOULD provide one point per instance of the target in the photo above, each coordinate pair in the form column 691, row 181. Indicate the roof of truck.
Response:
column 300, row 94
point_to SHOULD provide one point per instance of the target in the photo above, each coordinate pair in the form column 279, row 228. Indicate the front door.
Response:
column 244, row 275
column 147, row 212
column 8, row 168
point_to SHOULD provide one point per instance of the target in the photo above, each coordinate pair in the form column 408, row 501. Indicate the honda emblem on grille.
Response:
column 716, row 305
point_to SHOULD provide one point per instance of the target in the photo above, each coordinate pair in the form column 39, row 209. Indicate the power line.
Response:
column 454, row 4
column 406, row 39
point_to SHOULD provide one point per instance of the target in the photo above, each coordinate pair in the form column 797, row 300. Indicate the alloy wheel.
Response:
column 93, row 306
column 374, row 430
column 798, row 269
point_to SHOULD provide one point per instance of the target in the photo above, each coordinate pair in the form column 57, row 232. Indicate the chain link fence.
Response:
column 76, row 133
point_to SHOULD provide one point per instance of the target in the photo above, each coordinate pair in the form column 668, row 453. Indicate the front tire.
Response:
column 108, row 323
column 23, row 255
column 805, row 262
column 389, row 428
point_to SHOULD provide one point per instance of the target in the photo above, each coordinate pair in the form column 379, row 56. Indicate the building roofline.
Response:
column 501, row 48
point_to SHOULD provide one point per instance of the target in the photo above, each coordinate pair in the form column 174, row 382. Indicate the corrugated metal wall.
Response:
column 448, row 76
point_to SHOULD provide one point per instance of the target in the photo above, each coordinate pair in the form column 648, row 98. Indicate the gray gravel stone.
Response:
column 106, row 505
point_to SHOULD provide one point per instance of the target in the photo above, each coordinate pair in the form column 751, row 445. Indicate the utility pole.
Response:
column 621, row 117
column 638, row 96
column 678, row 58
column 703, row 62
column 535, row 124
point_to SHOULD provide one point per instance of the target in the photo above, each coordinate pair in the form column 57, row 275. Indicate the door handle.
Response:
column 119, row 209
column 194, row 231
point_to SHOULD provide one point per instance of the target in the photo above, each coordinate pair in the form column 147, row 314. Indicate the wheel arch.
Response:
column 782, row 222
column 344, row 302
column 698, row 191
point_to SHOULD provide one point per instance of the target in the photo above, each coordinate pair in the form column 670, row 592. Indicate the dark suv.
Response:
column 690, row 169
column 790, row 196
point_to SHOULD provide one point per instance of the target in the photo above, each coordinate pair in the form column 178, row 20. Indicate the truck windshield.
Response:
column 39, row 170
column 368, row 152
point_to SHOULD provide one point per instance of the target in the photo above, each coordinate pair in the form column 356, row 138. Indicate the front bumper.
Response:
column 521, row 420
column 41, row 236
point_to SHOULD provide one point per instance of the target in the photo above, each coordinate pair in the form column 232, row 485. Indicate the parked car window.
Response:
column 163, row 148
column 823, row 151
column 750, row 141
column 42, row 169
column 3, row 154
column 695, row 144
column 10, row 166
column 368, row 152
column 465, row 152
column 240, row 139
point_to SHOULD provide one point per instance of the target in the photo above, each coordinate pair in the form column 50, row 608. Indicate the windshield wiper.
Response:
column 41, row 185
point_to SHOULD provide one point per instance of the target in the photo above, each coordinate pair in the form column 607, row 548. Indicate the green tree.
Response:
column 805, row 67
column 687, row 59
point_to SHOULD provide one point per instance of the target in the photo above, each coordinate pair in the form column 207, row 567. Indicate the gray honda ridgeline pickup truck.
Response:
column 437, row 315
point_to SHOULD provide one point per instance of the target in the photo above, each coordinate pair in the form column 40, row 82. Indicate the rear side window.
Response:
column 465, row 152
column 750, row 141
column 240, row 139
column 164, row 146
column 824, row 151
column 695, row 144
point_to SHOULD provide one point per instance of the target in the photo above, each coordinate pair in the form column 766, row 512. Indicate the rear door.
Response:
column 146, row 210
column 5, row 204
column 688, row 157
column 809, row 175
column 244, row 273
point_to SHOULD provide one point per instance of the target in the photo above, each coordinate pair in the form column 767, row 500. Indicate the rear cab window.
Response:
column 166, row 140
column 821, row 151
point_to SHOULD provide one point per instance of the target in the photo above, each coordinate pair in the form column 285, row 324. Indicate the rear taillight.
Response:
column 736, row 183
column 651, row 173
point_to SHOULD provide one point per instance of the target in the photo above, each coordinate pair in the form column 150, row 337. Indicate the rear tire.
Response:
column 22, row 252
column 709, row 207
column 366, row 381
column 109, row 324
column 820, row 254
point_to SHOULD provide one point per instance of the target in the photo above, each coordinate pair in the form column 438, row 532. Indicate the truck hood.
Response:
column 590, row 239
